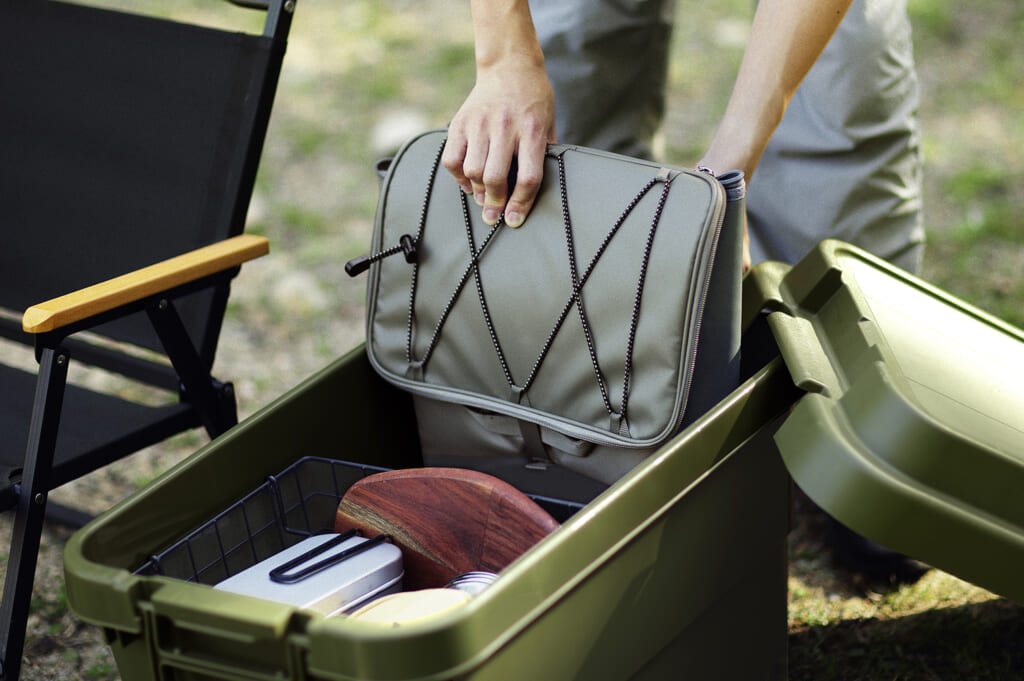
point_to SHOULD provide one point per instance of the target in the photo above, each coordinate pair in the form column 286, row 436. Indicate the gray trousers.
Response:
column 844, row 163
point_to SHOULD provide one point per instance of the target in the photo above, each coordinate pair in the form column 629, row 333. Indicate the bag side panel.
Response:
column 717, row 368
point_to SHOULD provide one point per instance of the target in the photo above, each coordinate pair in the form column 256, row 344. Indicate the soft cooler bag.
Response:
column 563, row 352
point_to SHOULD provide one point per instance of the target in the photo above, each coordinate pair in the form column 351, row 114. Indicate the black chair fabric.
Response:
column 101, row 153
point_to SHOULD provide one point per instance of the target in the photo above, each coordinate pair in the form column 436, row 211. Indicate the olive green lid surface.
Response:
column 912, row 431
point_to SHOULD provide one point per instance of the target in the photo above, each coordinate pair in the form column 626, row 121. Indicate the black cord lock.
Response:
column 406, row 245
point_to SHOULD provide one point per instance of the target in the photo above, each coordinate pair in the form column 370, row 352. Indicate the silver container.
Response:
column 473, row 582
column 331, row 574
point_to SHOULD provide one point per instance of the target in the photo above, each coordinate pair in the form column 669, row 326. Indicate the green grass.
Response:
column 971, row 62
column 934, row 21
column 100, row 670
column 974, row 641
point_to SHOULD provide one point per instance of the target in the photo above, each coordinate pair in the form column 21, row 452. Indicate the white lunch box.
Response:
column 331, row 573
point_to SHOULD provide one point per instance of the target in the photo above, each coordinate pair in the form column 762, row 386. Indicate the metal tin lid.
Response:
column 912, row 431
column 331, row 573
column 474, row 582
column 410, row 607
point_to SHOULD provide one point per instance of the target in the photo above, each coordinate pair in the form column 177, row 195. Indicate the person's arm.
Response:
column 786, row 38
column 510, row 113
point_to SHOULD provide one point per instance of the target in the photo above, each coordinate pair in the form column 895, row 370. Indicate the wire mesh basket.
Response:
column 288, row 507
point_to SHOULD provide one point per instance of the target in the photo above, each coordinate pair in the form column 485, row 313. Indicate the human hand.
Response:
column 509, row 115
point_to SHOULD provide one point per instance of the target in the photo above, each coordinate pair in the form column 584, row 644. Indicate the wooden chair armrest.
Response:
column 128, row 288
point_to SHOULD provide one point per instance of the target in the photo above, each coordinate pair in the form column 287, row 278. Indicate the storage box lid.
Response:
column 912, row 428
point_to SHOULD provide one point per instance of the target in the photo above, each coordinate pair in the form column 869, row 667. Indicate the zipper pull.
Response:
column 406, row 245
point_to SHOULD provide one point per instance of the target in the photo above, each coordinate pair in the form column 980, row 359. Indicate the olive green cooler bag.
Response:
column 557, row 355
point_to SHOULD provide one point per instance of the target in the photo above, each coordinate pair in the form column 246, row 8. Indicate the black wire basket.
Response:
column 288, row 507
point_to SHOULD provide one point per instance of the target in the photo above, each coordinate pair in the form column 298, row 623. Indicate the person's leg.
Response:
column 607, row 61
column 846, row 161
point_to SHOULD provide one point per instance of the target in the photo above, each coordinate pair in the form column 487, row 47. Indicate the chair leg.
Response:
column 31, row 509
column 214, row 401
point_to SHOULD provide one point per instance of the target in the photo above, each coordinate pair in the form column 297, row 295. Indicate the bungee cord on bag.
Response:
column 409, row 246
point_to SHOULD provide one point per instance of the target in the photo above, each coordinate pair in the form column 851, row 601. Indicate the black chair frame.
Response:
column 166, row 300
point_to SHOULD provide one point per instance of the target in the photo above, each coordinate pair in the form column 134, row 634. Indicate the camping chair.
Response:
column 128, row 144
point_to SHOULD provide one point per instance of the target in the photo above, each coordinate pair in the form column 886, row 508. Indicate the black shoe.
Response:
column 859, row 554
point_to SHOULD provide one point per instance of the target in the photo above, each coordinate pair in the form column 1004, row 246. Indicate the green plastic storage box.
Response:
column 898, row 413
column 645, row 581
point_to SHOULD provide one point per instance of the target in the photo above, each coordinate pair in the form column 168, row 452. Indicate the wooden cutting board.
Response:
column 447, row 521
